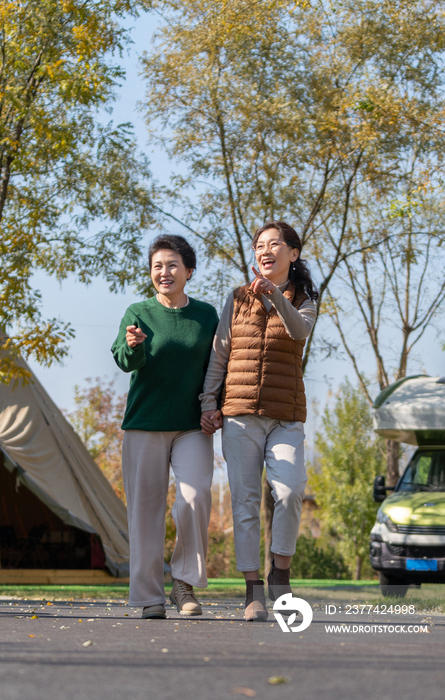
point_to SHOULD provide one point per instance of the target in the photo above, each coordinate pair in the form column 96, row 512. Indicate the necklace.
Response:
column 174, row 307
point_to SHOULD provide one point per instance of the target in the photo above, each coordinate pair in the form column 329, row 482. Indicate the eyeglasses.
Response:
column 273, row 246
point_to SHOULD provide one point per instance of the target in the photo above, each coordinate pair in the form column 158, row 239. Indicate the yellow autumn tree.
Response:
column 75, row 195
column 97, row 417
column 279, row 109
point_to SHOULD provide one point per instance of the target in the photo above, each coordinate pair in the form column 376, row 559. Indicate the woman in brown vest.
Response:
column 256, row 359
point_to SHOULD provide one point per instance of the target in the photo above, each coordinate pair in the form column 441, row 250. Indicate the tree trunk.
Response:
column 268, row 506
column 358, row 568
column 392, row 465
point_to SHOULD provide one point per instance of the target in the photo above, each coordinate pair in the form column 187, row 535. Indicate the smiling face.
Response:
column 168, row 272
column 274, row 256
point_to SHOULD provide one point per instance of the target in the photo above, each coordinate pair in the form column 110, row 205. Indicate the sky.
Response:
column 95, row 313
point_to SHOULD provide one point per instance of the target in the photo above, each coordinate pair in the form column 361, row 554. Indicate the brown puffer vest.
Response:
column 264, row 375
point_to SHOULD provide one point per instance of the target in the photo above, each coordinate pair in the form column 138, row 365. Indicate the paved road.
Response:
column 43, row 655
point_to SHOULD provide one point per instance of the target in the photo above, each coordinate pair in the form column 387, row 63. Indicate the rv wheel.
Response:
column 392, row 586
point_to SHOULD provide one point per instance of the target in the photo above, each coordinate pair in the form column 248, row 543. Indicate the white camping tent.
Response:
column 412, row 410
column 53, row 463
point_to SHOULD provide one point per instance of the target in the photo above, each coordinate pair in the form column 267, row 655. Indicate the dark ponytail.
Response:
column 299, row 273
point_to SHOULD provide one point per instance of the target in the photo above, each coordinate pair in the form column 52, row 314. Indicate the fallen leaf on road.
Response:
column 165, row 650
column 88, row 643
column 31, row 635
column 49, row 603
column 34, row 617
column 206, row 658
column 278, row 680
column 244, row 691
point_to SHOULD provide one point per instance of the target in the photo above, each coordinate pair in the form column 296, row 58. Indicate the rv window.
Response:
column 425, row 472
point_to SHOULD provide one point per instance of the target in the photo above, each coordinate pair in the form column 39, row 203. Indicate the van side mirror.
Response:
column 380, row 489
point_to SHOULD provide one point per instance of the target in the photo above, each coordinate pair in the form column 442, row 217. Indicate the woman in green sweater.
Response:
column 165, row 342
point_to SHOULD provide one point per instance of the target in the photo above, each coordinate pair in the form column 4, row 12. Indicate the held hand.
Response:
column 260, row 284
column 134, row 336
column 211, row 421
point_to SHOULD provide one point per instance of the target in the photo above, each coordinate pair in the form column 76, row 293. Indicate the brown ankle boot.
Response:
column 255, row 602
column 278, row 582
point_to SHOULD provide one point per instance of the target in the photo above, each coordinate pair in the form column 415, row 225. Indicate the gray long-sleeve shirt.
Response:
column 297, row 322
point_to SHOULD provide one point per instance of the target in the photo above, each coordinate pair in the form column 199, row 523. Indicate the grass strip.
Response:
column 430, row 599
column 220, row 587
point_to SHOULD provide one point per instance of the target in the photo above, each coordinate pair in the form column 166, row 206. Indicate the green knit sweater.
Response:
column 169, row 367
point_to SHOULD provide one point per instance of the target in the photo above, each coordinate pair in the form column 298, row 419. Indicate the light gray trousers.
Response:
column 248, row 442
column 146, row 459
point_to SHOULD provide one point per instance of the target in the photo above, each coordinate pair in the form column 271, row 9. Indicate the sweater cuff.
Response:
column 208, row 403
column 137, row 348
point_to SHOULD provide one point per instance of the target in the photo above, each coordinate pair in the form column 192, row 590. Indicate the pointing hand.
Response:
column 134, row 336
column 260, row 284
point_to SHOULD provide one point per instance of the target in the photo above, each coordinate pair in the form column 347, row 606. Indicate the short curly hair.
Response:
column 176, row 243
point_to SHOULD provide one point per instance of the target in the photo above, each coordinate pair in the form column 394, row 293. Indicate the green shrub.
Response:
column 221, row 561
column 313, row 561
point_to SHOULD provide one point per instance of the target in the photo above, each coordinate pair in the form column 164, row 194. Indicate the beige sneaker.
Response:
column 183, row 597
column 255, row 606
